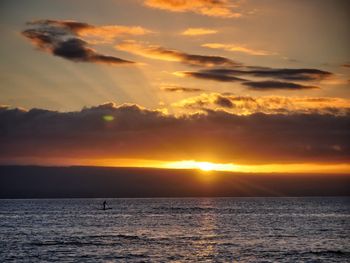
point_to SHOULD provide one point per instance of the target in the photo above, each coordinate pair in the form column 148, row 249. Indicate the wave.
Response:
column 94, row 240
column 331, row 252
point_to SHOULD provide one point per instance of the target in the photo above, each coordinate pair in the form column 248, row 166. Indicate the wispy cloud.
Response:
column 180, row 89
column 106, row 34
column 293, row 74
column 198, row 31
column 161, row 53
column 209, row 76
column 214, row 8
column 270, row 85
column 238, row 48
column 241, row 75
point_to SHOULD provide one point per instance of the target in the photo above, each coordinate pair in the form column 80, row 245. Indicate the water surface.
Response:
column 176, row 230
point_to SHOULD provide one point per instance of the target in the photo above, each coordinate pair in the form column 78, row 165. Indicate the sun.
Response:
column 205, row 166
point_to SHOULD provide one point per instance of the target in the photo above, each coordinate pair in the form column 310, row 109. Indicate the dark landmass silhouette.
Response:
column 93, row 182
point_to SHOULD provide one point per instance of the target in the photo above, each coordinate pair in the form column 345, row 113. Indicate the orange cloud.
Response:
column 106, row 34
column 244, row 105
column 198, row 32
column 149, row 51
column 238, row 48
column 160, row 53
column 214, row 8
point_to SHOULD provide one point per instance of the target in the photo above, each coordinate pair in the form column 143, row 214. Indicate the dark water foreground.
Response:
column 178, row 230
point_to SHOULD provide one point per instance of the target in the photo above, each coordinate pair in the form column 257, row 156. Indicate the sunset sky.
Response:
column 249, row 85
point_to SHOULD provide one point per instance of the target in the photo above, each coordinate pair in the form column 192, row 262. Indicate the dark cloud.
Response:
column 59, row 38
column 286, row 75
column 212, row 76
column 223, row 102
column 70, row 26
column 206, row 60
column 268, row 85
column 135, row 132
column 75, row 49
column 303, row 74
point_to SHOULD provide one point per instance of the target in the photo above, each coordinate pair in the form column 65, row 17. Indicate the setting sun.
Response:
column 205, row 166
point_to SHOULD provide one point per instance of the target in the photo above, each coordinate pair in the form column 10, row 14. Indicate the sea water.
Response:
column 176, row 230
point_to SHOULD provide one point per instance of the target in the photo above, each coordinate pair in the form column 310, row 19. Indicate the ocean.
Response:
column 176, row 230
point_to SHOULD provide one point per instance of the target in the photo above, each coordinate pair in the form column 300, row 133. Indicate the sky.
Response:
column 247, row 85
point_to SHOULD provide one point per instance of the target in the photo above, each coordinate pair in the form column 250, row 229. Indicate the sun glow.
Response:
column 204, row 166
column 192, row 164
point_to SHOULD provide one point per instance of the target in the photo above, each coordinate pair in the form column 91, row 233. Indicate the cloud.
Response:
column 269, row 85
column 198, row 32
column 223, row 102
column 214, row 8
column 160, row 53
column 180, row 89
column 75, row 49
column 243, row 105
column 298, row 74
column 63, row 38
column 65, row 25
column 209, row 76
column 136, row 132
column 237, row 48
column 106, row 34
column 95, row 34
column 286, row 75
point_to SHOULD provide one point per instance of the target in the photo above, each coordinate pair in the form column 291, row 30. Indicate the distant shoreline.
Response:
column 37, row 182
